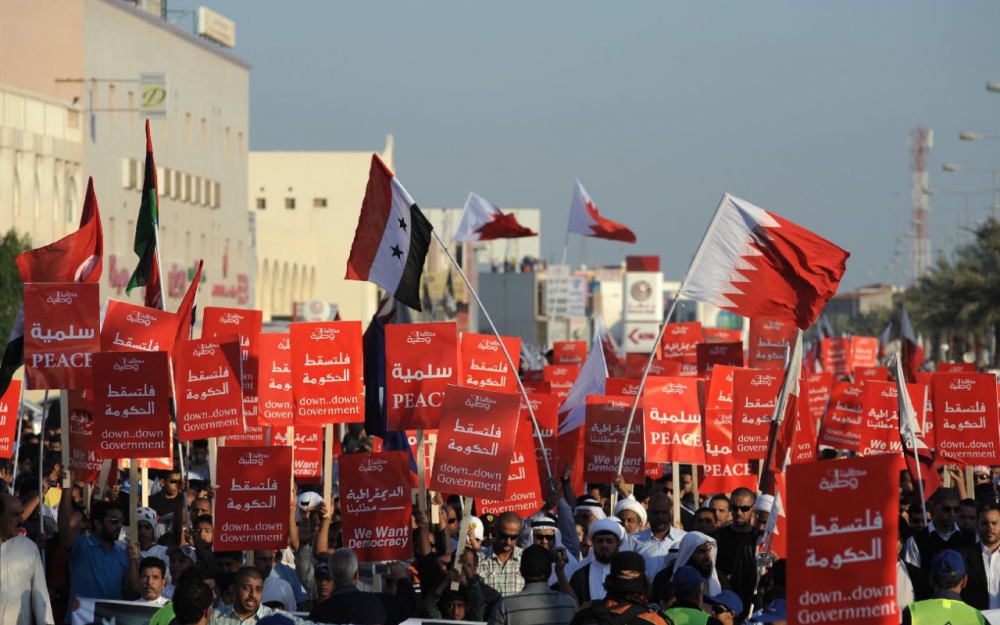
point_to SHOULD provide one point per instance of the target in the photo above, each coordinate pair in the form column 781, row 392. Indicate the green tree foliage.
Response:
column 10, row 280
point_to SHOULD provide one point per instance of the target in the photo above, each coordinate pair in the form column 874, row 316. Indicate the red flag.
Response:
column 482, row 221
column 911, row 352
column 757, row 264
column 188, row 310
column 585, row 220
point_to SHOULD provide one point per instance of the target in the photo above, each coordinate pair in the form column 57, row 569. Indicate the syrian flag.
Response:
column 757, row 264
column 482, row 221
column 187, row 312
column 585, row 220
column 391, row 239
column 912, row 354
column 147, row 272
column 77, row 257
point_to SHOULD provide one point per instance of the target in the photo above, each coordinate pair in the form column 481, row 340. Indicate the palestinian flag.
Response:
column 391, row 239
column 147, row 272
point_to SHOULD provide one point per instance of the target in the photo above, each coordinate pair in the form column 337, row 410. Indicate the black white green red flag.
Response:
column 147, row 272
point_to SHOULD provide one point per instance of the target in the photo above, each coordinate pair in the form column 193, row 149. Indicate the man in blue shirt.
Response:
column 98, row 566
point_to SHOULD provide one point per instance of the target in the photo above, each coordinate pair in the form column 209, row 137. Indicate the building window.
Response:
column 229, row 143
column 197, row 189
column 204, row 134
column 168, row 183
column 239, row 145
column 131, row 109
column 187, row 187
column 218, row 195
column 261, row 203
column 112, row 102
column 187, row 127
column 290, row 203
column 319, row 202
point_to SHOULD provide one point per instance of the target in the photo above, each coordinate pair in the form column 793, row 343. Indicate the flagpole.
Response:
column 901, row 382
column 503, row 347
column 156, row 254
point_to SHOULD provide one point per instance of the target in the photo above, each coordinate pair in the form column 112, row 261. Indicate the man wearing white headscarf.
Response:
column 544, row 531
column 699, row 551
column 589, row 507
column 587, row 583
column 631, row 513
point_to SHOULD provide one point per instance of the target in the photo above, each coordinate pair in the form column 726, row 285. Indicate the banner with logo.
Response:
column 524, row 492
column 842, row 568
column 307, row 452
column 723, row 335
column 9, row 403
column 131, row 404
column 755, row 394
column 722, row 473
column 820, row 385
column 635, row 363
column 672, row 425
column 483, row 364
column 207, row 373
column 864, row 351
column 421, row 361
column 274, row 375
column 546, row 409
column 836, row 355
column 569, row 352
column 475, row 442
column 711, row 355
column 844, row 422
column 622, row 386
column 880, row 409
column 131, row 328
column 965, row 413
column 375, row 505
column 770, row 342
column 956, row 367
column 61, row 332
column 603, row 435
column 538, row 387
column 247, row 324
column 561, row 378
column 253, row 436
column 83, row 458
column 680, row 342
column 863, row 374
column 254, row 497
column 326, row 372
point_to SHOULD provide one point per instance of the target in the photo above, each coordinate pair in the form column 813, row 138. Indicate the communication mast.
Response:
column 921, row 141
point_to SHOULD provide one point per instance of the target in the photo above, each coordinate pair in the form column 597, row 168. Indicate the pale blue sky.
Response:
column 802, row 108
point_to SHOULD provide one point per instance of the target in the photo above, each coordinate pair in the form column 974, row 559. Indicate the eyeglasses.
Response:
column 949, row 508
column 720, row 609
column 982, row 477
column 173, row 481
column 451, row 520
column 743, row 508
column 503, row 536
column 115, row 520
column 545, row 537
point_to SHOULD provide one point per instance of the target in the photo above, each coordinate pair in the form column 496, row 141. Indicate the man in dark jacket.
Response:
column 983, row 576
column 627, row 595
column 347, row 604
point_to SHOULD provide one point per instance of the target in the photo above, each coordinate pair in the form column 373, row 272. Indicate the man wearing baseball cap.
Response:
column 689, row 593
column 948, row 578
column 627, row 595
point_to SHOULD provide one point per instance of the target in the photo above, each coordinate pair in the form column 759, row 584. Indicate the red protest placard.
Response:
column 274, row 390
column 421, row 361
column 539, row 387
column 524, row 493
column 672, row 425
column 209, row 398
column 603, row 435
column 836, row 354
column 879, row 374
column 956, row 367
column 844, row 421
column 253, row 499
column 546, row 409
column 819, row 393
column 483, row 364
column 621, row 386
column 864, row 351
column 307, row 450
column 755, row 394
column 254, row 436
column 722, row 335
column 247, row 324
column 803, row 447
column 61, row 332
column 83, row 458
column 131, row 328
column 770, row 340
column 561, row 378
column 131, row 405
column 569, row 352
column 680, row 343
column 326, row 372
column 880, row 410
column 8, row 418
column 475, row 442
column 965, row 417
column 843, row 570
column 659, row 368
column 710, row 355
column 375, row 505
column 723, row 474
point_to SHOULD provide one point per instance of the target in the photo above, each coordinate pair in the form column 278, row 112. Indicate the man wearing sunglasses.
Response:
column 165, row 500
column 940, row 534
column 731, row 538
column 500, row 567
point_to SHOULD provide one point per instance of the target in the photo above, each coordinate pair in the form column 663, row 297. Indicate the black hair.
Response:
column 99, row 511
column 153, row 562
column 191, row 599
column 202, row 518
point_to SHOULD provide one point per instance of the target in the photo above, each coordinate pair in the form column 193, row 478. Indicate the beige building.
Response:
column 71, row 93
column 306, row 207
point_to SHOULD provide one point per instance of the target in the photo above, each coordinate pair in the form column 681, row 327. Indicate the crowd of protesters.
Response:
column 576, row 560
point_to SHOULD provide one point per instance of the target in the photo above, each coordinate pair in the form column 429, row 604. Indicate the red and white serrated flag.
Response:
column 392, row 238
column 786, row 407
column 909, row 429
column 912, row 354
column 757, row 264
column 591, row 380
column 482, row 221
column 584, row 219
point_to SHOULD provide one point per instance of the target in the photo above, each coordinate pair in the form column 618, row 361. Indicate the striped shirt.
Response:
column 504, row 576
column 537, row 604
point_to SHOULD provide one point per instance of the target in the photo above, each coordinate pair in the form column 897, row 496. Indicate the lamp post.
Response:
column 951, row 167
column 975, row 136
